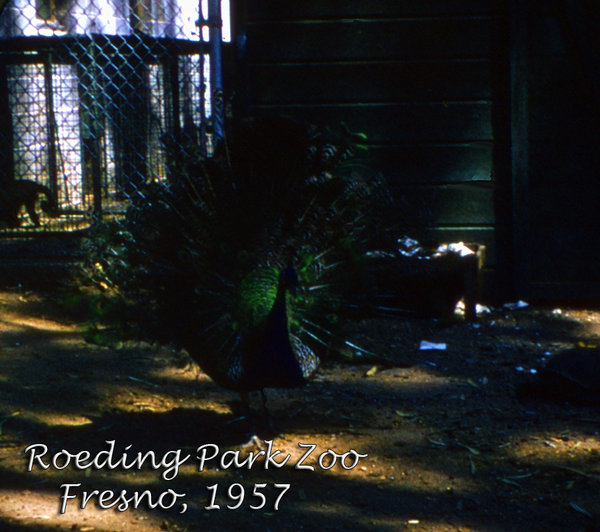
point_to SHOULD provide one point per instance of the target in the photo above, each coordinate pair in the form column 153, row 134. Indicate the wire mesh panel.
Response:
column 96, row 98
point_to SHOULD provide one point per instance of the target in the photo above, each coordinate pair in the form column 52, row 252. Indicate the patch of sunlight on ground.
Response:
column 18, row 321
column 54, row 419
column 42, row 509
column 560, row 449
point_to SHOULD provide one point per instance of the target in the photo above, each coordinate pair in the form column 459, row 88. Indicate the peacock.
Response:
column 247, row 258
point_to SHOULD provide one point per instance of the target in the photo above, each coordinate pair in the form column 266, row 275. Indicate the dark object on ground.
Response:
column 426, row 285
column 572, row 375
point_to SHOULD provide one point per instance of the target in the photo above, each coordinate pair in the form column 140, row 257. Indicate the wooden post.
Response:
column 519, row 148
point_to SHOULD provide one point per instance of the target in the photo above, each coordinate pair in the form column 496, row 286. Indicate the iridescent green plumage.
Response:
column 210, row 253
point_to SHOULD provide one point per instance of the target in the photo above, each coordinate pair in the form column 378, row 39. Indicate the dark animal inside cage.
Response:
column 25, row 193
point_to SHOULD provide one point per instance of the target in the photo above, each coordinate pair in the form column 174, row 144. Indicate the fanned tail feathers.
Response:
column 204, row 250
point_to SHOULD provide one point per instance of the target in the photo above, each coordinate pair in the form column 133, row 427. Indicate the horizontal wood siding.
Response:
column 416, row 77
column 457, row 122
column 435, row 162
column 375, row 81
column 370, row 9
column 451, row 38
column 447, row 205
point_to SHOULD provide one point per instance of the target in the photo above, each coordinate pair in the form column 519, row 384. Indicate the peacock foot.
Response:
column 255, row 442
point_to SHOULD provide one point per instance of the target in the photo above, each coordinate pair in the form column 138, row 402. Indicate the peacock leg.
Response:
column 254, row 440
column 241, row 409
column 245, row 404
column 267, row 415
column 264, row 401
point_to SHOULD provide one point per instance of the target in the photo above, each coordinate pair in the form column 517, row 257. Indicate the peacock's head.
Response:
column 289, row 280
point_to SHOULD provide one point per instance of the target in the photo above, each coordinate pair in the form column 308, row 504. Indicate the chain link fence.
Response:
column 98, row 97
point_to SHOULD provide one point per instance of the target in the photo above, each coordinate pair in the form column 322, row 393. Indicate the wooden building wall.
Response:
column 484, row 115
column 417, row 77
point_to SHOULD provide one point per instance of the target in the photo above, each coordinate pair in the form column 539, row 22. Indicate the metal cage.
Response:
column 97, row 97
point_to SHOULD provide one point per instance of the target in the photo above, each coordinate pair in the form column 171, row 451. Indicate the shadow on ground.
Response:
column 449, row 447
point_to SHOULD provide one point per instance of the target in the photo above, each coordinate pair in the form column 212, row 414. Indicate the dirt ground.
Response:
column 449, row 447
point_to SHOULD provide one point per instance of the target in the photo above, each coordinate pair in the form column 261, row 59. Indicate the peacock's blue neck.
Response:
column 277, row 320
